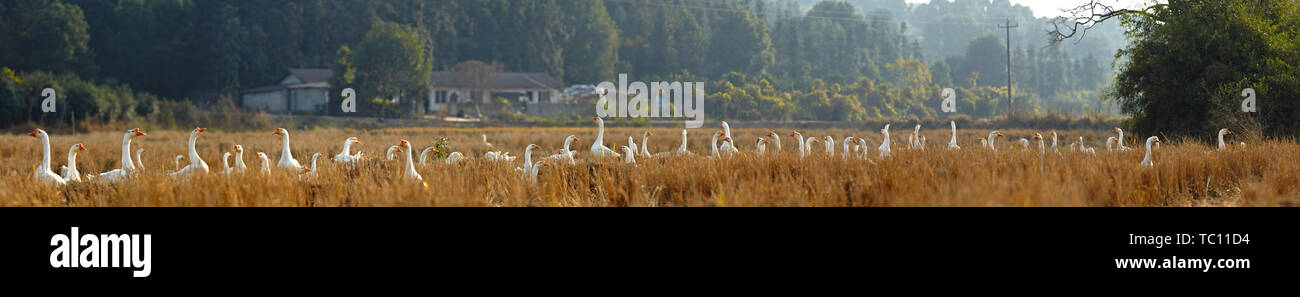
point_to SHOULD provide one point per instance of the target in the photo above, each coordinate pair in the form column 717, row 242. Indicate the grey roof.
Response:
column 312, row 75
column 502, row 80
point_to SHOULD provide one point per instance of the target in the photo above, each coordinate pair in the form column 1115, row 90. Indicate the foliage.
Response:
column 1191, row 60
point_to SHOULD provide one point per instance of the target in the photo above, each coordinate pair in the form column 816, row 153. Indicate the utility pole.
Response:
column 1008, row 27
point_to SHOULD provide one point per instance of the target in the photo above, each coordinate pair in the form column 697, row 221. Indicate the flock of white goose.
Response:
column 855, row 147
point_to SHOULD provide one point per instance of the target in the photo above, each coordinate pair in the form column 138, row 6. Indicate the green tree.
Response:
column 1190, row 61
column 392, row 61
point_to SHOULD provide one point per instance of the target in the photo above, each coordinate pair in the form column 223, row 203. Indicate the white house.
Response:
column 302, row 90
column 452, row 87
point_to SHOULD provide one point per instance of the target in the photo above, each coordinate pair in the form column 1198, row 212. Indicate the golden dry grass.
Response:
column 1186, row 174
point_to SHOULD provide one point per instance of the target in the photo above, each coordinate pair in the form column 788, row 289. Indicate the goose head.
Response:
column 81, row 148
column 1153, row 140
column 38, row 133
column 238, row 149
column 281, row 132
column 136, row 132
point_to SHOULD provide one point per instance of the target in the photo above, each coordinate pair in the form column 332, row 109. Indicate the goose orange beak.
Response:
column 201, row 130
column 81, row 147
column 277, row 131
column 33, row 134
column 138, row 132
column 594, row 118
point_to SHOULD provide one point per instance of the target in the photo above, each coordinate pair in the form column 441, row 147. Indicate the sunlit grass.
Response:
column 1186, row 174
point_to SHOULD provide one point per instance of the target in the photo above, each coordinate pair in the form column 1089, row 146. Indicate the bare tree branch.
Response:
column 1083, row 17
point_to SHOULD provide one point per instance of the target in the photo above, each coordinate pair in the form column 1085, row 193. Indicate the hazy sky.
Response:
column 1044, row 8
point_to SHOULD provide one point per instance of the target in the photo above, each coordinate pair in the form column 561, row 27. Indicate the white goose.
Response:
column 803, row 151
column 916, row 138
column 1120, row 140
column 808, row 142
column 1041, row 148
column 485, row 142
column 43, row 174
column 70, row 172
column 598, row 148
column 286, row 155
column 528, row 159
column 565, row 153
column 681, row 150
column 497, row 155
column 311, row 171
column 128, row 168
column 1223, row 132
column 346, row 155
column 1110, row 144
column 727, row 146
column 225, row 164
column 760, row 145
column 1146, row 161
column 240, row 167
column 884, row 144
column 847, row 141
column 410, row 173
column 830, row 146
column 1024, row 144
column 993, row 139
column 454, row 158
column 629, row 154
column 632, row 144
column 139, row 163
column 391, row 153
column 424, row 154
column 645, row 150
column 197, row 166
column 865, row 149
column 776, row 140
column 266, row 163
column 713, row 145
column 176, row 162
column 536, row 166
column 952, row 142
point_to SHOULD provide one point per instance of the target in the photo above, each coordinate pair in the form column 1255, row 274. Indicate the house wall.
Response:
column 273, row 101
column 310, row 99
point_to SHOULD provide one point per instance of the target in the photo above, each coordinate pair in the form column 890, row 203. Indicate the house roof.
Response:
column 312, row 75
column 502, row 80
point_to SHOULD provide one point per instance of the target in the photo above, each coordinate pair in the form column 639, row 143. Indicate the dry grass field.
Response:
column 1186, row 173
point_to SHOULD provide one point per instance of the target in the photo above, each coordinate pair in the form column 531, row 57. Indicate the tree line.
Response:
column 761, row 59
